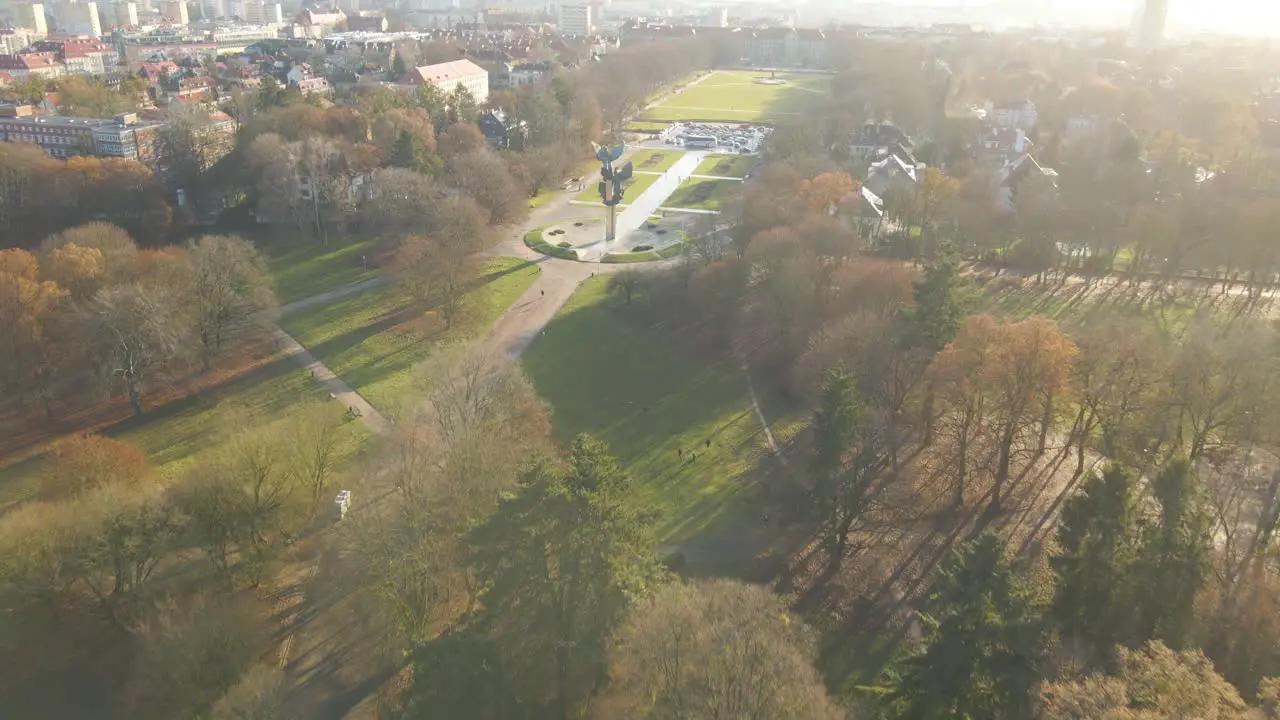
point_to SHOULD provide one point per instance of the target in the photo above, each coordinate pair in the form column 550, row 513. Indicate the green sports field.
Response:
column 734, row 96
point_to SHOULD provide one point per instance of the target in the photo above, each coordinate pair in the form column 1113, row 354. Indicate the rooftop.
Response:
column 444, row 73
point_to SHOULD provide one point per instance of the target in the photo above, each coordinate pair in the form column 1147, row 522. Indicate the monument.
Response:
column 611, row 186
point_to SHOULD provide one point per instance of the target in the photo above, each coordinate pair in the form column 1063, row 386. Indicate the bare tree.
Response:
column 123, row 536
column 231, row 292
column 137, row 333
column 316, row 434
column 714, row 649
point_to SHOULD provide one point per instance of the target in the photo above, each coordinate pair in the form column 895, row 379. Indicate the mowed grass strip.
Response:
column 656, row 160
column 606, row 373
column 304, row 269
column 736, row 97
column 699, row 194
column 374, row 340
column 735, row 166
column 635, row 189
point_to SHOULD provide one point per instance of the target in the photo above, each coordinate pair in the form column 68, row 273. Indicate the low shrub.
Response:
column 641, row 248
column 563, row 244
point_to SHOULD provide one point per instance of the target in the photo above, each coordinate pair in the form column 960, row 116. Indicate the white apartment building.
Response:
column 79, row 19
column 31, row 16
column 175, row 11
column 575, row 17
column 450, row 75
column 261, row 12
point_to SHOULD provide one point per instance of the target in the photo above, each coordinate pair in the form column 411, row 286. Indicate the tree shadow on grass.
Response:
column 605, row 373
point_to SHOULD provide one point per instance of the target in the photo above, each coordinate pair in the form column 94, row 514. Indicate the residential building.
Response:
column 262, row 12
column 175, row 12
column 1021, row 176
column 786, row 47
column 366, row 22
column 893, row 174
column 31, row 16
column 79, row 19
column 873, row 139
column 25, row 66
column 865, row 213
column 83, row 57
column 123, row 136
column 127, row 137
column 316, row 24
column 301, row 77
column 501, row 131
column 998, row 145
column 15, row 40
column 576, row 17
column 448, row 76
column 1019, row 114
column 1148, row 24
column 61, row 137
column 1080, row 125
column 126, row 14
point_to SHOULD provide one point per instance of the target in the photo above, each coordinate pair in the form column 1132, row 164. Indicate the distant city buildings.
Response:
column 124, row 136
column 576, row 17
column 175, row 12
column 79, row 19
column 25, row 66
column 1148, row 24
column 32, row 17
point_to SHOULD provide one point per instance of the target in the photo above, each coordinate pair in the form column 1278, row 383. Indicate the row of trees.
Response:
column 92, row 310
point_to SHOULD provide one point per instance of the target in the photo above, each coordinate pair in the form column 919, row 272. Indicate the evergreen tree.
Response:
column 1175, row 556
column 271, row 94
column 847, row 459
column 979, row 662
column 1095, row 539
column 560, row 562
column 407, row 152
column 462, row 105
column 398, row 69
column 939, row 303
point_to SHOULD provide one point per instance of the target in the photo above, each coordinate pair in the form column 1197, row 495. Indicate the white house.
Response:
column 1019, row 114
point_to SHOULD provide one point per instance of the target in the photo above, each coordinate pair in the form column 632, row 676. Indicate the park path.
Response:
column 338, row 389
column 333, row 295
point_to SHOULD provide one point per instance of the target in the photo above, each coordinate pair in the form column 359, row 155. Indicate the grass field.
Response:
column 303, row 269
column 732, row 96
column 605, row 373
column 699, row 194
column 176, row 434
column 726, row 165
column 374, row 340
column 655, row 160
column 638, row 185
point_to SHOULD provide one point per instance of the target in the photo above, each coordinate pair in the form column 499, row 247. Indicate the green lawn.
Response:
column 635, row 189
column 698, row 194
column 303, row 269
column 605, row 373
column 639, row 126
column 176, row 434
column 655, row 160
column 375, row 339
column 726, row 165
column 732, row 96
